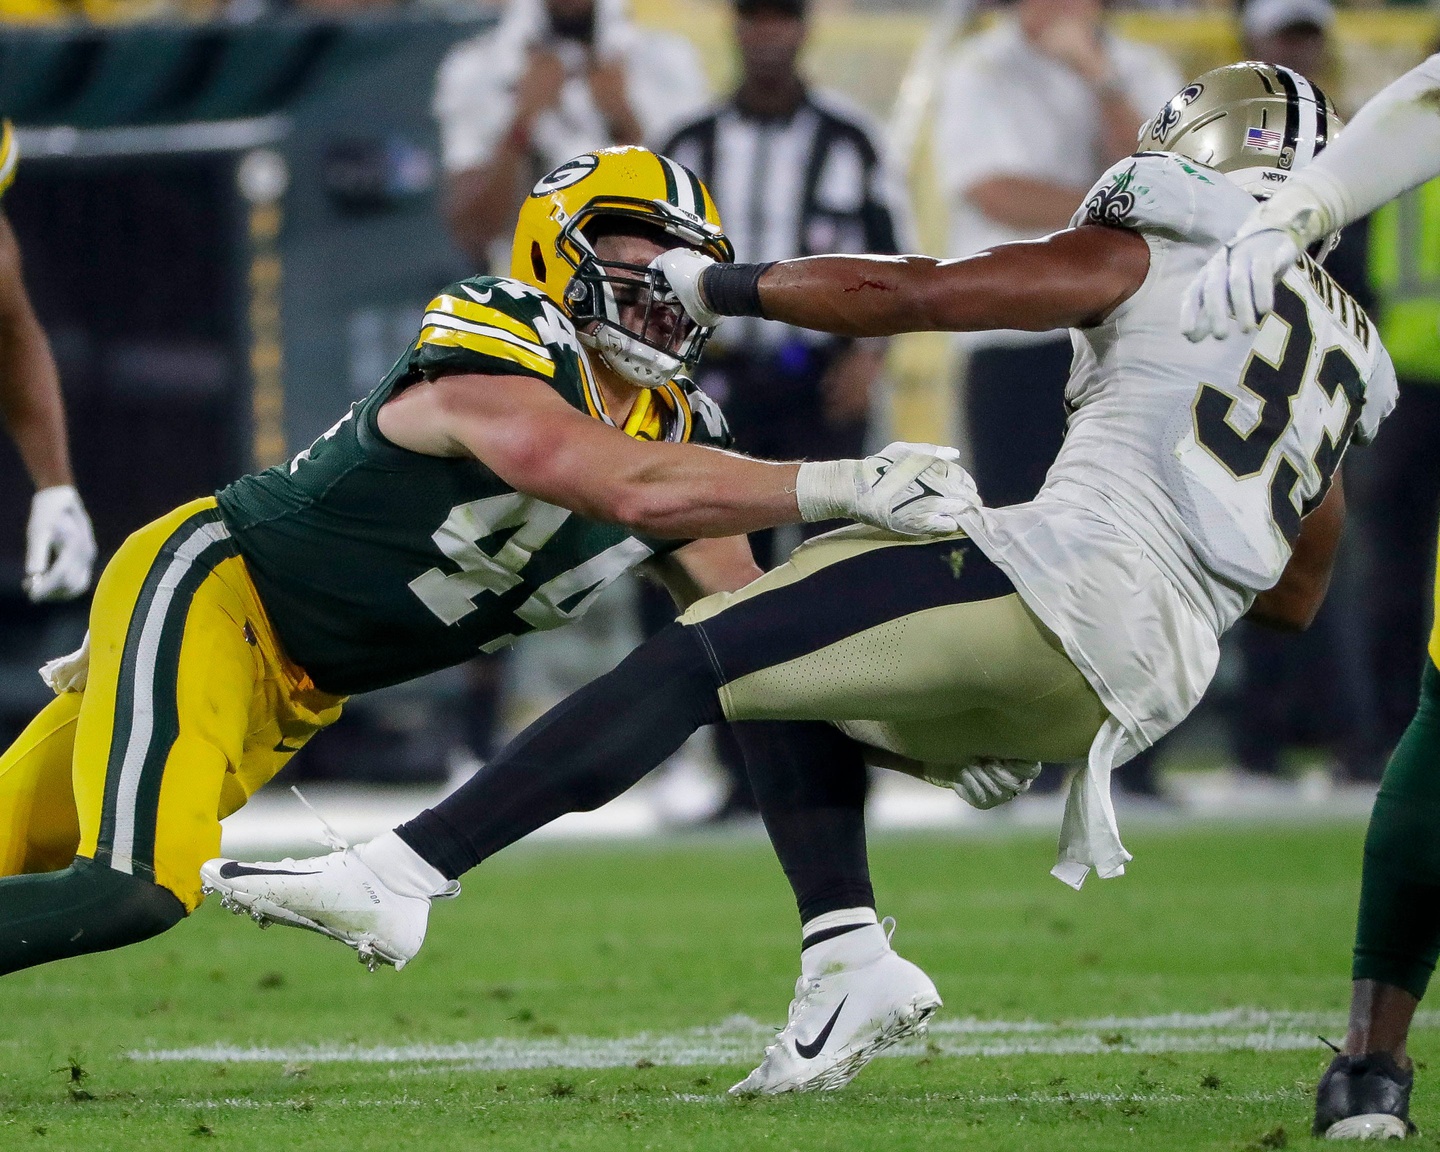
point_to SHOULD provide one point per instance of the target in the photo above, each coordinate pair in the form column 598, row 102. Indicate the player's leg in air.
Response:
column 111, row 799
column 927, row 640
column 1365, row 1093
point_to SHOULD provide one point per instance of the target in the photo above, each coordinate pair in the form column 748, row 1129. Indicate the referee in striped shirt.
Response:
column 795, row 172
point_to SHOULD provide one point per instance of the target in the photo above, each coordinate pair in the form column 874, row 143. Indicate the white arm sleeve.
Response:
column 1392, row 145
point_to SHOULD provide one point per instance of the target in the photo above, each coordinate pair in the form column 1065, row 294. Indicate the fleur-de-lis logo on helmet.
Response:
column 1169, row 116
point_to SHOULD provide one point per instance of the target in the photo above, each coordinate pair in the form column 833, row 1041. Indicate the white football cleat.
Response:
column 338, row 895
column 855, row 998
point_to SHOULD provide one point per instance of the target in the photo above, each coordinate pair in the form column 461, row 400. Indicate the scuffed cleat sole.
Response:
column 265, row 913
column 1376, row 1126
column 913, row 1021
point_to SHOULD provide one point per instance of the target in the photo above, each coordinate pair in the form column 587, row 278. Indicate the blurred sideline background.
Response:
column 231, row 218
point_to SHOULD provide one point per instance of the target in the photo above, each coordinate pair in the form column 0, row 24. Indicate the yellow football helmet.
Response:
column 553, row 253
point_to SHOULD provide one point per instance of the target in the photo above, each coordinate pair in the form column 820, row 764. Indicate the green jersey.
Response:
column 378, row 564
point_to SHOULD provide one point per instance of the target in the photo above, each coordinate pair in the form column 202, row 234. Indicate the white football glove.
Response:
column 681, row 268
column 988, row 783
column 910, row 489
column 68, row 673
column 59, row 545
column 1237, row 284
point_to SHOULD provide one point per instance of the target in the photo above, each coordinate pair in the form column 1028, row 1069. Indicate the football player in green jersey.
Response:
column 59, row 544
column 536, row 441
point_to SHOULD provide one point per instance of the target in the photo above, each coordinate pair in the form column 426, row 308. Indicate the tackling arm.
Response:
column 1392, row 145
column 537, row 443
column 1292, row 604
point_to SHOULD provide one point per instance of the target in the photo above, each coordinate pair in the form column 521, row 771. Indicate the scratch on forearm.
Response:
column 879, row 285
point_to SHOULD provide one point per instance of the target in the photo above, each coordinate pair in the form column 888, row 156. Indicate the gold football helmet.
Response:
column 1256, row 123
column 554, row 253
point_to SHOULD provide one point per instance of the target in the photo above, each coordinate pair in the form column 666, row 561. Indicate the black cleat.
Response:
column 1364, row 1098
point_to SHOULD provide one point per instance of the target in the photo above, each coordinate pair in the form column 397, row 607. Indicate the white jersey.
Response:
column 1186, row 468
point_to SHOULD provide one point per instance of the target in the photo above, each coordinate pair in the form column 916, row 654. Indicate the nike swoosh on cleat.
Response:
column 284, row 747
column 811, row 1050
column 232, row 868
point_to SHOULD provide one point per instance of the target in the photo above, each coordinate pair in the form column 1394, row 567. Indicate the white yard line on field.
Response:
column 740, row 1039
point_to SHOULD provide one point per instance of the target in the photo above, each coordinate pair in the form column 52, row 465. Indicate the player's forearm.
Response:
column 479, row 203
column 1119, row 122
column 1392, row 145
column 679, row 491
column 30, row 402
column 1070, row 278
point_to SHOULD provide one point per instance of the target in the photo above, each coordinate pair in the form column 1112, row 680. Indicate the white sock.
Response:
column 844, row 938
column 404, row 871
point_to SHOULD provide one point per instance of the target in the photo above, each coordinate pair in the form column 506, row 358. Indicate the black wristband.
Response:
column 733, row 289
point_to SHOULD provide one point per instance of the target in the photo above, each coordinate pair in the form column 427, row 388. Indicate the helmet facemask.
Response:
column 626, row 311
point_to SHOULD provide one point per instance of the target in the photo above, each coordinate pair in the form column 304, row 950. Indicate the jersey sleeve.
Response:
column 9, row 155
column 1381, row 394
column 479, row 327
column 1163, row 194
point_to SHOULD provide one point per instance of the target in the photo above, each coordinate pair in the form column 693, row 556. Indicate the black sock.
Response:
column 810, row 783
column 581, row 754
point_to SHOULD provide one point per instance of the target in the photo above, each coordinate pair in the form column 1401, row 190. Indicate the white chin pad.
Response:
column 633, row 359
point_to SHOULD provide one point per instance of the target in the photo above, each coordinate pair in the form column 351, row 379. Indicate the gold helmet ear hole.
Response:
column 537, row 261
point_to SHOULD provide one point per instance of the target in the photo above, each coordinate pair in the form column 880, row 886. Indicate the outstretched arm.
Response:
column 1073, row 278
column 532, row 439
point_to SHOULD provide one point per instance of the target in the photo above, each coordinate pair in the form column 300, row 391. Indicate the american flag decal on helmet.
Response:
column 1264, row 139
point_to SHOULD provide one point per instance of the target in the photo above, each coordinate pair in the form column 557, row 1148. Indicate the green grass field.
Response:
column 1100, row 1020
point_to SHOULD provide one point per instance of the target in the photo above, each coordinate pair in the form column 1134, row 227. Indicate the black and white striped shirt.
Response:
column 814, row 182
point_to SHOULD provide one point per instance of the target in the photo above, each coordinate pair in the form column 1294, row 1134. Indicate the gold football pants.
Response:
column 918, row 648
column 189, row 708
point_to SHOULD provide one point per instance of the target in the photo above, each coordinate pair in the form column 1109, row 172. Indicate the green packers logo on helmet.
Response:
column 570, row 172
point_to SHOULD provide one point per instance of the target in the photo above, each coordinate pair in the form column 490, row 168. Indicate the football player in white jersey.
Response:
column 1197, row 484
column 1392, row 146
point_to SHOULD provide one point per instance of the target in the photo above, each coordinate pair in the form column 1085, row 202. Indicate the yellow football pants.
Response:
column 189, row 708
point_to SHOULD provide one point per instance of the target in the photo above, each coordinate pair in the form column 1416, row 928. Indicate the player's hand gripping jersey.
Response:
column 377, row 564
column 1186, row 468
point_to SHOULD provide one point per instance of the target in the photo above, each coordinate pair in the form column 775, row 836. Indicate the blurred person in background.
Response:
column 1029, row 114
column 59, row 542
column 1314, row 690
column 1401, row 489
column 1294, row 33
column 554, row 79
column 800, row 172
